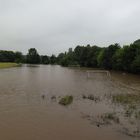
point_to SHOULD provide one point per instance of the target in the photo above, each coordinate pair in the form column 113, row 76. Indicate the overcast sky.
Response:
column 53, row 26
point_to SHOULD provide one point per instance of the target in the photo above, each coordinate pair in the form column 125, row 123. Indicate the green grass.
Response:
column 66, row 100
column 8, row 65
column 127, row 98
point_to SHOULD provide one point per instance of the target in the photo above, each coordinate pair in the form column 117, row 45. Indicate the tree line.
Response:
column 10, row 56
column 32, row 57
column 113, row 57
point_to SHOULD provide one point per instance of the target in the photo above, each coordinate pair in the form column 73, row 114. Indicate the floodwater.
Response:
column 29, row 108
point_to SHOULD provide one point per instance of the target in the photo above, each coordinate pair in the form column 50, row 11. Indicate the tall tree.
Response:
column 18, row 57
column 53, row 59
column 45, row 59
column 33, row 56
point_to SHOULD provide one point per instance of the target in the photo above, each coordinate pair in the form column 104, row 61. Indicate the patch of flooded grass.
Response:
column 91, row 97
column 132, row 133
column 125, row 114
column 66, row 100
column 130, row 110
column 126, row 98
column 131, row 104
column 103, row 119
column 110, row 117
column 137, row 115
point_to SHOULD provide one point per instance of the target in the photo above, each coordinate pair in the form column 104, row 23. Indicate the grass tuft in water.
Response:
column 91, row 97
column 66, row 100
column 110, row 117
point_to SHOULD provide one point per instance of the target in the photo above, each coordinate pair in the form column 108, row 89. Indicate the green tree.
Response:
column 100, row 58
column 7, row 56
column 60, row 58
column 118, row 59
column 111, row 57
column 106, row 57
column 53, row 59
column 18, row 57
column 78, row 54
column 136, row 65
column 45, row 59
column 33, row 56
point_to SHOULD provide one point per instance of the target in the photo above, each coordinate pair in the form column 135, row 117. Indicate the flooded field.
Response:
column 102, row 106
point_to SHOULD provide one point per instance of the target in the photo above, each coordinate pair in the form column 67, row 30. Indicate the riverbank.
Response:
column 8, row 65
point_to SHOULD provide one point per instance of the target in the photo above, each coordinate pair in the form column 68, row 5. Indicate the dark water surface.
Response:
column 29, row 108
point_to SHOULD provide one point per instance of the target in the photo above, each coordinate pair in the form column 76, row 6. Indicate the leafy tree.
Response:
column 45, row 59
column 106, row 56
column 129, row 54
column 117, row 59
column 136, row 65
column 60, row 58
column 18, row 57
column 53, row 59
column 10, row 56
column 65, row 61
column 137, row 42
column 33, row 56
column 100, row 58
column 92, row 56
column 78, row 54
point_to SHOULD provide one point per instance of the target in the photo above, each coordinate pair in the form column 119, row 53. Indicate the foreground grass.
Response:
column 8, row 65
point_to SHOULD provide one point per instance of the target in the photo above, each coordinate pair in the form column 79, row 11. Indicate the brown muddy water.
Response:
column 104, row 107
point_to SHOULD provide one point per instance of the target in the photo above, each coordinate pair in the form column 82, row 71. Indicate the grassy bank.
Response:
column 8, row 65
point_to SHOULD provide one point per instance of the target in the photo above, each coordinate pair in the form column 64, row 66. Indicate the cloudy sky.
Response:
column 53, row 26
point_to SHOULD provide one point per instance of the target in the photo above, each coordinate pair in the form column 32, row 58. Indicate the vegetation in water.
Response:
column 131, row 104
column 91, row 97
column 127, row 98
column 110, row 117
column 66, row 100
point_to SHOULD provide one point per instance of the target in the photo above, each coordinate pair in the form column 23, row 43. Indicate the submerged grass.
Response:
column 8, row 65
column 91, row 97
column 131, row 104
column 127, row 98
column 110, row 117
column 137, row 115
column 66, row 100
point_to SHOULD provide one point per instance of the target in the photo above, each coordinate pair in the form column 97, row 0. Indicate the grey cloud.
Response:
column 53, row 26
